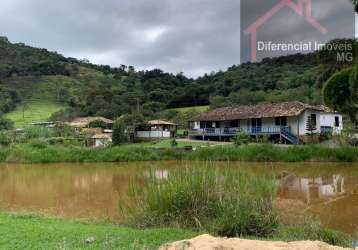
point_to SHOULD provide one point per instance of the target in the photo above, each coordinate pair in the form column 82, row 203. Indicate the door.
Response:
column 256, row 126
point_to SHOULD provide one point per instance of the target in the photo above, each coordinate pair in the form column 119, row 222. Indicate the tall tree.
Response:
column 340, row 93
column 119, row 133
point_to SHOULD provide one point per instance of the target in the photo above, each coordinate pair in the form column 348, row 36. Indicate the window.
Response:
column 314, row 119
column 278, row 121
column 281, row 121
column 235, row 124
column 336, row 121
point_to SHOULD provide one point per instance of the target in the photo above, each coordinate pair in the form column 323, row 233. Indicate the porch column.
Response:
column 298, row 128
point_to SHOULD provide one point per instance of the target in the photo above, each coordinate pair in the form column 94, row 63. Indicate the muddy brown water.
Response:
column 92, row 191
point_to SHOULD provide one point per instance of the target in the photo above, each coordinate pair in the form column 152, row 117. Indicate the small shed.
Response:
column 100, row 140
column 158, row 129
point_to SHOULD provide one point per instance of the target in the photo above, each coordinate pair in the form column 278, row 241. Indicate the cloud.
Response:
column 191, row 36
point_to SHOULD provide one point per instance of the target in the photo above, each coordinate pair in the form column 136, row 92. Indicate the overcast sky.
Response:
column 190, row 36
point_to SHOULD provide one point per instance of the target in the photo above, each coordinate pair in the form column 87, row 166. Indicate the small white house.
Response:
column 158, row 129
column 289, row 121
column 100, row 140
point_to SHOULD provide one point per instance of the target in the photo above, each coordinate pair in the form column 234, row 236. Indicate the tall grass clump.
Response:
column 309, row 228
column 225, row 202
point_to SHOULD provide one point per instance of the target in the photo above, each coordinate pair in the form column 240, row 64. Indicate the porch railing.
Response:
column 233, row 131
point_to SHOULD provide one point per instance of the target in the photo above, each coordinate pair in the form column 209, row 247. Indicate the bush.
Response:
column 5, row 139
column 37, row 143
column 119, row 133
column 241, row 138
column 33, row 132
column 228, row 203
column 174, row 143
column 5, row 124
column 309, row 229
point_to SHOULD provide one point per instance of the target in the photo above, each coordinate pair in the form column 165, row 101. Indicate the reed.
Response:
column 225, row 202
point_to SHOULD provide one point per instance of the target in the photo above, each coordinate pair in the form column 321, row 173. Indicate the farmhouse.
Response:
column 99, row 128
column 157, row 129
column 91, row 122
column 290, row 122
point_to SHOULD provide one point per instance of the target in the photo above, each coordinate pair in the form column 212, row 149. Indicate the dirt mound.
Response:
column 207, row 242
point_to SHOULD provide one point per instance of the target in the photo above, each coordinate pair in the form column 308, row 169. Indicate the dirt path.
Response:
column 207, row 242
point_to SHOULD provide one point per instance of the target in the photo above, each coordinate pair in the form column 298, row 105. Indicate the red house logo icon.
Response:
column 302, row 8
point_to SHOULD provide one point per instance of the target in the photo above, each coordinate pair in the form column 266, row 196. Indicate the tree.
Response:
column 6, row 124
column 119, row 133
column 340, row 93
column 355, row 2
column 241, row 138
column 311, row 127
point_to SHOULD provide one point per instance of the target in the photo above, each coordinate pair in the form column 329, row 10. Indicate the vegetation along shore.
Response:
column 40, row 153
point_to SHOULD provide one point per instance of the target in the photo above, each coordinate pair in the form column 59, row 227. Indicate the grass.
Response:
column 27, row 153
column 224, row 202
column 227, row 203
column 167, row 144
column 26, row 231
column 33, row 232
column 40, row 100
column 193, row 108
column 36, row 110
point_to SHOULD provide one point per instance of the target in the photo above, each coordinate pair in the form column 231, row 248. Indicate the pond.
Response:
column 92, row 191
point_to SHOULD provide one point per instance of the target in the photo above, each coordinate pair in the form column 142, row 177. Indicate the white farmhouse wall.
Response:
column 153, row 134
column 245, row 125
column 293, row 124
column 323, row 120
column 196, row 125
column 329, row 120
column 268, row 122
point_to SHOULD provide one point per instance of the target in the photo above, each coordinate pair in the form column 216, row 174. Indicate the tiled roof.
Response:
column 258, row 111
column 85, row 121
column 102, row 136
column 160, row 122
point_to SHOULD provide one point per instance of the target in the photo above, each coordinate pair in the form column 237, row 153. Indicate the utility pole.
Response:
column 138, row 106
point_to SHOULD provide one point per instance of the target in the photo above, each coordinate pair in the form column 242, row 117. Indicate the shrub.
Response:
column 33, row 132
column 119, row 133
column 5, row 139
column 228, row 202
column 37, row 143
column 174, row 143
column 310, row 229
column 241, row 138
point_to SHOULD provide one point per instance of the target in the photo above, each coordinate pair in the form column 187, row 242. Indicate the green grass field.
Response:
column 195, row 108
column 40, row 102
column 33, row 232
column 34, row 111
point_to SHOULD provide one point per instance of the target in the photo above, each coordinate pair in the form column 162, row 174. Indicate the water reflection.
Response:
column 332, row 198
column 311, row 189
column 329, row 191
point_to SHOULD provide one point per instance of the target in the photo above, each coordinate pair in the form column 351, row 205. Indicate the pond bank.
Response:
column 208, row 242
column 34, row 232
column 26, row 231
column 33, row 153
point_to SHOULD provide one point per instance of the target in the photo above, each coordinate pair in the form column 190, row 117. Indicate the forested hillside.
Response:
column 34, row 78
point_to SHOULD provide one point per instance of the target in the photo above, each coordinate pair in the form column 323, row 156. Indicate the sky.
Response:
column 190, row 36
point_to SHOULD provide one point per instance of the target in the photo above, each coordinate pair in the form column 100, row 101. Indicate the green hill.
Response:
column 42, row 83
